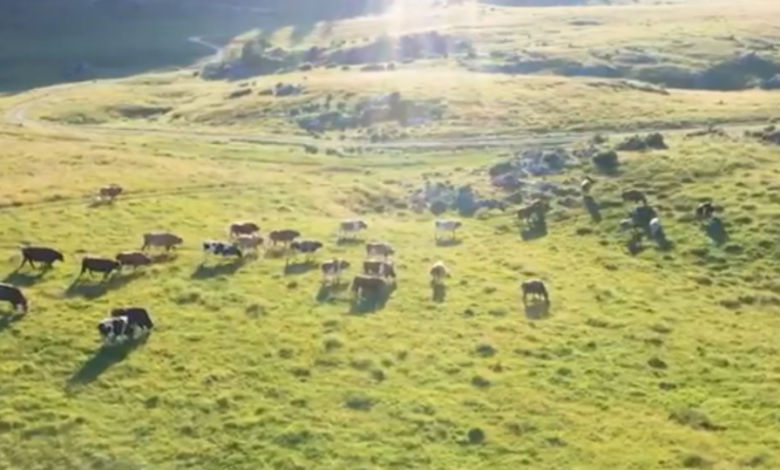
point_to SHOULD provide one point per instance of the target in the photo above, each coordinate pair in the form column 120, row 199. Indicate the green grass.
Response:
column 663, row 360
column 682, row 36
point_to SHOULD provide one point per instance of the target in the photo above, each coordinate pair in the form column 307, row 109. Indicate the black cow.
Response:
column 105, row 266
column 364, row 286
column 40, row 254
column 14, row 296
column 306, row 246
column 379, row 268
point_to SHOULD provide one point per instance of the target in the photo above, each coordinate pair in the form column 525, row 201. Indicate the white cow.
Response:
column 446, row 225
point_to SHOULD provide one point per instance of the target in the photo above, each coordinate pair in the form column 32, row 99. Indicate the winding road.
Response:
column 18, row 115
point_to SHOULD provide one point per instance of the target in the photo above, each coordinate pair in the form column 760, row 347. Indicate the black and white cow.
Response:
column 129, row 323
column 221, row 249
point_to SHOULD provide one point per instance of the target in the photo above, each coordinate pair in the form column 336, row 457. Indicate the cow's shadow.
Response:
column 349, row 241
column 102, row 360
column 535, row 230
column 716, row 230
column 438, row 291
column 537, row 310
column 299, row 267
column 593, row 208
column 6, row 320
column 445, row 242
column 372, row 303
column 328, row 291
column 26, row 278
column 80, row 287
column 207, row 271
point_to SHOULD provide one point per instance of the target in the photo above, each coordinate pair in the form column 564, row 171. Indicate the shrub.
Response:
column 606, row 160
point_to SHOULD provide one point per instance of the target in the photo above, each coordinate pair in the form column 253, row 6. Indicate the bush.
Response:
column 606, row 160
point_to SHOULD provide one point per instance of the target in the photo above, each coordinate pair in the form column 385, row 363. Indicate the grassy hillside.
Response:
column 463, row 94
column 255, row 366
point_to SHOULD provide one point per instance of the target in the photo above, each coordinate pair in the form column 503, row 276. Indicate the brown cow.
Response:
column 40, row 254
column 283, row 236
column 364, row 286
column 92, row 264
column 379, row 268
column 110, row 192
column 134, row 259
column 439, row 271
column 248, row 242
column 166, row 240
column 635, row 196
column 534, row 287
column 382, row 249
column 243, row 228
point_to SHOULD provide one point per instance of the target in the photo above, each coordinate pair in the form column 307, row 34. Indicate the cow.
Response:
column 382, row 249
column 133, row 259
column 309, row 247
column 364, row 286
column 165, row 240
column 219, row 248
column 634, row 195
column 14, row 296
column 351, row 227
column 439, row 271
column 533, row 210
column 248, row 242
column 535, row 288
column 40, row 254
column 705, row 210
column 586, row 184
column 284, row 236
column 110, row 192
column 334, row 268
column 242, row 228
column 379, row 268
column 91, row 264
column 446, row 226
column 124, row 324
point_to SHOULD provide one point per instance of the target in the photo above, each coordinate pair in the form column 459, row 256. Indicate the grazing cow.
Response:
column 586, row 184
column 705, row 210
column 364, row 286
column 334, row 268
column 125, row 323
column 243, row 228
column 40, row 254
column 352, row 226
column 439, row 271
column 534, row 210
column 224, row 249
column 283, row 236
column 248, row 242
column 536, row 288
column 110, row 192
column 634, row 195
column 92, row 264
column 14, row 296
column 446, row 226
column 166, row 240
column 133, row 259
column 308, row 247
column 382, row 249
column 379, row 268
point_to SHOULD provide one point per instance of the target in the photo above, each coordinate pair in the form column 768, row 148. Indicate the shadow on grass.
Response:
column 537, row 310
column 207, row 271
column 372, row 303
column 299, row 267
column 26, row 278
column 342, row 241
column 438, row 291
column 7, row 320
column 275, row 252
column 448, row 242
column 80, row 288
column 716, row 231
column 535, row 231
column 103, row 359
column 634, row 245
column 328, row 291
column 593, row 208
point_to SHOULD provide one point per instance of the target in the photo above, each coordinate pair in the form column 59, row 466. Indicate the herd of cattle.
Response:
column 378, row 271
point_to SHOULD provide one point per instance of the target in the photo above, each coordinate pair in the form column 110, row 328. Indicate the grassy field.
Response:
column 652, row 40
column 659, row 360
